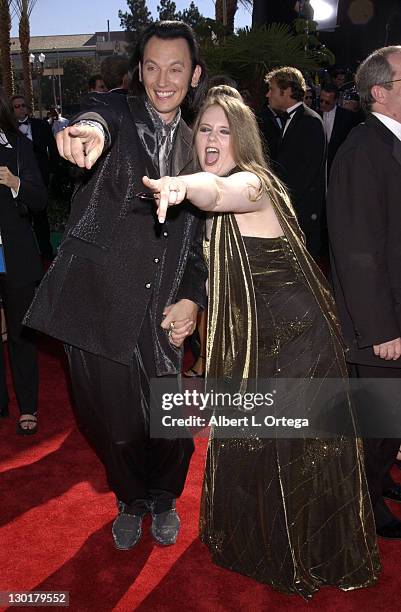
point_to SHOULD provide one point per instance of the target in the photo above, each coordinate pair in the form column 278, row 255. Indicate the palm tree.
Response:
column 226, row 10
column 24, row 8
column 225, row 13
column 5, row 47
column 249, row 54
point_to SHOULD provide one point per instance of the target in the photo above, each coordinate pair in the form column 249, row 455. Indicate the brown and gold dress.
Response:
column 292, row 513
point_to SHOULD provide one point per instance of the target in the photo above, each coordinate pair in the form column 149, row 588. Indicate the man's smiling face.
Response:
column 166, row 74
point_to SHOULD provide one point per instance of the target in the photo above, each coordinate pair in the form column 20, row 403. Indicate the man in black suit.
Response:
column 45, row 150
column 337, row 121
column 114, row 72
column 364, row 222
column 124, row 291
column 301, row 154
column 271, row 128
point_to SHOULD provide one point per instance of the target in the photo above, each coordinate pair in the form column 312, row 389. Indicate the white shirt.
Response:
column 328, row 122
column 26, row 129
column 5, row 143
column 291, row 112
column 393, row 125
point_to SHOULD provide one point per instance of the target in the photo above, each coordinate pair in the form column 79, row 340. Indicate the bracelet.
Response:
column 96, row 125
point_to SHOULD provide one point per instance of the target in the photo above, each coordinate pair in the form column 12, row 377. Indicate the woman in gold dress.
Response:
column 291, row 513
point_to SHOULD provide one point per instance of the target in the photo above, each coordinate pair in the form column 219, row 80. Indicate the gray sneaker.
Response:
column 127, row 528
column 165, row 527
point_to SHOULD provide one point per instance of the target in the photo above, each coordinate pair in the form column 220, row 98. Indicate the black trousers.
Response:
column 41, row 228
column 380, row 453
column 111, row 404
column 21, row 347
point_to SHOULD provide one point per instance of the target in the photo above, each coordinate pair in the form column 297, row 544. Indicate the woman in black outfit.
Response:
column 21, row 188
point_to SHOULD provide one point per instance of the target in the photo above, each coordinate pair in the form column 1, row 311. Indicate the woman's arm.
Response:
column 235, row 194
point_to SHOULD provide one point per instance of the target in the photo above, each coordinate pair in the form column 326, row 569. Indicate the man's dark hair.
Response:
column 18, row 97
column 93, row 79
column 375, row 70
column 330, row 88
column 8, row 122
column 113, row 70
column 170, row 30
column 288, row 77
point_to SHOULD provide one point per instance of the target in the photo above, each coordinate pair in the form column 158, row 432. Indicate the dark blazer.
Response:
column 364, row 223
column 270, row 131
column 344, row 121
column 301, row 165
column 116, row 261
column 20, row 247
column 122, row 91
column 45, row 148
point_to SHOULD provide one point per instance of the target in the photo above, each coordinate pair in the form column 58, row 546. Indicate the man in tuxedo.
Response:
column 114, row 71
column 337, row 121
column 124, row 291
column 270, row 126
column 45, row 150
column 364, row 223
column 301, row 152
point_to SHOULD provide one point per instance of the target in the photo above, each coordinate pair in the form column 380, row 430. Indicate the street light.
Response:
column 37, row 67
column 325, row 13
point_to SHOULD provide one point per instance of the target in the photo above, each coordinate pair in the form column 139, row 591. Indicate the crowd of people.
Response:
column 130, row 280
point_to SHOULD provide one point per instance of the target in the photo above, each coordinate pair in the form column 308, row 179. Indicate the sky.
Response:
column 51, row 17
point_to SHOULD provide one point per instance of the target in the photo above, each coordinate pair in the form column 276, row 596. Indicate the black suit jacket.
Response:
column 116, row 261
column 20, row 247
column 344, row 121
column 364, row 223
column 301, row 165
column 45, row 148
column 271, row 133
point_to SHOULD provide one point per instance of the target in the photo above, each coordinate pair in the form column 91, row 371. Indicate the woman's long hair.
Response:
column 8, row 123
column 246, row 143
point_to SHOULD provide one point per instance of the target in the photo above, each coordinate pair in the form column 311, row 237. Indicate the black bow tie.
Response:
column 285, row 115
column 24, row 122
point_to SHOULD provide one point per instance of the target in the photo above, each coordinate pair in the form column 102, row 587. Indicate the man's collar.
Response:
column 158, row 122
column 293, row 108
column 390, row 123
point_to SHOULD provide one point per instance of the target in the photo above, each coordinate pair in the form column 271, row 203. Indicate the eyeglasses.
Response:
column 16, row 106
column 393, row 81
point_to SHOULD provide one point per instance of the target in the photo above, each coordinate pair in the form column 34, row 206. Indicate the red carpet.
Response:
column 55, row 521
